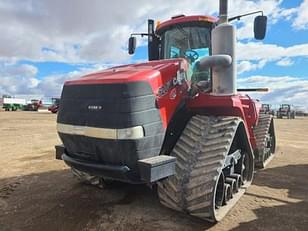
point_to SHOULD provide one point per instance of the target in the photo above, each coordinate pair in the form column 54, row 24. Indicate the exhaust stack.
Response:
column 223, row 11
column 223, row 43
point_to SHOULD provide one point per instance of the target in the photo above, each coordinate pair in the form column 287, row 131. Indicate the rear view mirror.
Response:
column 131, row 45
column 260, row 27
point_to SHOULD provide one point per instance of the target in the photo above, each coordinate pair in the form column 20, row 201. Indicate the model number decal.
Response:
column 95, row 107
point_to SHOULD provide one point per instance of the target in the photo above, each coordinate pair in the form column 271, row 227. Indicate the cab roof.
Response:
column 183, row 19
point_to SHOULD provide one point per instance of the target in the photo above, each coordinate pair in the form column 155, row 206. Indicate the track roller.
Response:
column 233, row 185
column 227, row 193
column 238, row 179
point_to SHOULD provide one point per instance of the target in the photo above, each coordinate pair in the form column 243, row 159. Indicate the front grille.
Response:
column 108, row 105
column 111, row 106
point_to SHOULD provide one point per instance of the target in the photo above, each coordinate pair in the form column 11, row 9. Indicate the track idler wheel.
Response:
column 220, row 192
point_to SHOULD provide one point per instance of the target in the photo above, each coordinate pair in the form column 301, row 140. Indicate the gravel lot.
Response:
column 38, row 192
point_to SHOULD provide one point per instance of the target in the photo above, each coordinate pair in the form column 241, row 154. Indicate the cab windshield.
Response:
column 191, row 43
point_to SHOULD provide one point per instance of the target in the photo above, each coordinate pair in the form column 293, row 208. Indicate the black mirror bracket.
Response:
column 238, row 17
column 259, row 23
column 140, row 34
column 132, row 42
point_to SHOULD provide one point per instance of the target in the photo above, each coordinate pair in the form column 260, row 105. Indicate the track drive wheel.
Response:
column 212, row 168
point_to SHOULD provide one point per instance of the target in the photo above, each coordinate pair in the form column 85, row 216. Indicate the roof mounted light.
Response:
column 178, row 16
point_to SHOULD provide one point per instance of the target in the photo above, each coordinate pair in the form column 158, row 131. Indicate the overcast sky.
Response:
column 45, row 42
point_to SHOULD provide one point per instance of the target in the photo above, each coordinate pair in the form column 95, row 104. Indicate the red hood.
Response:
column 148, row 71
column 159, row 75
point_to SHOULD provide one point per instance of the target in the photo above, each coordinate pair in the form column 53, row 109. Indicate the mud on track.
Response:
column 39, row 193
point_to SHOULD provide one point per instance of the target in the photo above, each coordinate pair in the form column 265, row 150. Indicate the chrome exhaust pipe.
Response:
column 223, row 11
column 224, row 43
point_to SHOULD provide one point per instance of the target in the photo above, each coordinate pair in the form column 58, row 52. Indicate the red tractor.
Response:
column 54, row 107
column 177, row 121
column 34, row 105
column 287, row 111
column 266, row 109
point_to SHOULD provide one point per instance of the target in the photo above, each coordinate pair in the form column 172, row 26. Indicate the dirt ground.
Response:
column 38, row 192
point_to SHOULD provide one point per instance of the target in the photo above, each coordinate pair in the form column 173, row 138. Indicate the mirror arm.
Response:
column 253, row 89
column 238, row 17
column 141, row 34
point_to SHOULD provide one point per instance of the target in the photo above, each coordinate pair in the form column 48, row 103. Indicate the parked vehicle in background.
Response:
column 287, row 111
column 55, row 105
column 33, row 105
column 266, row 109
column 13, row 104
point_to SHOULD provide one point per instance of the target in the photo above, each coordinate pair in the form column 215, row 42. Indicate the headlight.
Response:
column 102, row 133
column 130, row 133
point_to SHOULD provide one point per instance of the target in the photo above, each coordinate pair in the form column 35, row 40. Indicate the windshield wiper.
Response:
column 186, row 35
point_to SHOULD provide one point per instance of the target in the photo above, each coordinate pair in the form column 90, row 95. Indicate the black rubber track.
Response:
column 265, row 128
column 200, row 151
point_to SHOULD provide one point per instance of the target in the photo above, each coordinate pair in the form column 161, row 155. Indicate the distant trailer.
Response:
column 13, row 104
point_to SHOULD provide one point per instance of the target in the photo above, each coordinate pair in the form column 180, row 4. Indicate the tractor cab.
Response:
column 187, row 37
column 190, row 37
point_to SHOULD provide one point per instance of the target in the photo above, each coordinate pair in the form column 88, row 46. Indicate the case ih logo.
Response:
column 95, row 107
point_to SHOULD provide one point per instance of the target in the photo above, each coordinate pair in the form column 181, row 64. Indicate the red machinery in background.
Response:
column 54, row 107
column 34, row 105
